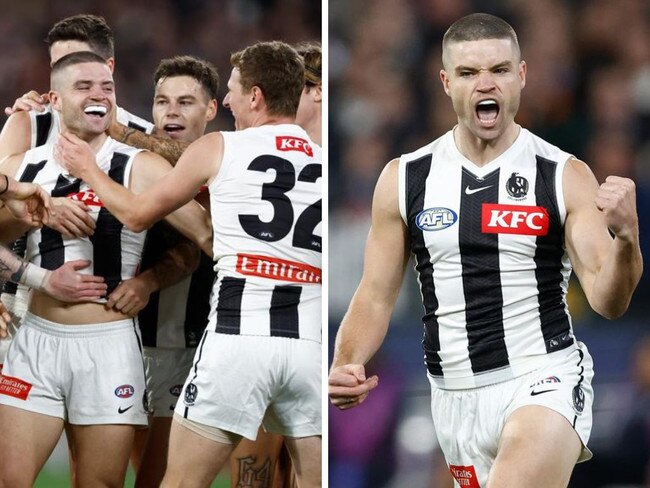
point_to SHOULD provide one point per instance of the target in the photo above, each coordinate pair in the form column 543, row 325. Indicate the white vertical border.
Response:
column 325, row 237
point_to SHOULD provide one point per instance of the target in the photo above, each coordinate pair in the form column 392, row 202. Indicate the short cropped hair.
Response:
column 276, row 69
column 72, row 59
column 85, row 28
column 476, row 27
column 202, row 71
column 312, row 55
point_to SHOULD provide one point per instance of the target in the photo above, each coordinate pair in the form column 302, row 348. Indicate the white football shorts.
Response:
column 166, row 370
column 238, row 383
column 469, row 422
column 84, row 374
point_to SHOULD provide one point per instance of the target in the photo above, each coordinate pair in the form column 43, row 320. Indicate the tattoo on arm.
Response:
column 12, row 267
column 170, row 149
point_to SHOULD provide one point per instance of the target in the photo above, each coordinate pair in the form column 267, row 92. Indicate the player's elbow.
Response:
column 612, row 310
column 136, row 224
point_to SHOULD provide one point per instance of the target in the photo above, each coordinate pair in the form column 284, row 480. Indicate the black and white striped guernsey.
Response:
column 45, row 128
column 488, row 244
column 266, row 216
column 176, row 316
column 113, row 249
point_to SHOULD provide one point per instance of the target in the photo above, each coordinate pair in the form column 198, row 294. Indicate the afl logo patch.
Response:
column 578, row 399
column 517, row 186
column 124, row 391
column 190, row 394
column 436, row 218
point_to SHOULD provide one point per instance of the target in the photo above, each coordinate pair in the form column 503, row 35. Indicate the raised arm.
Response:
column 366, row 322
column 139, row 211
column 608, row 268
column 169, row 149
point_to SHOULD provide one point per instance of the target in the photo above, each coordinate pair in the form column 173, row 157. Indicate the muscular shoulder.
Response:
column 15, row 137
column 579, row 184
column 386, row 197
column 147, row 168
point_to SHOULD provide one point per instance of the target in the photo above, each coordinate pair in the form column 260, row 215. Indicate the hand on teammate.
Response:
column 28, row 202
column 348, row 385
column 129, row 297
column 616, row 198
column 67, row 285
column 31, row 100
column 74, row 154
column 71, row 218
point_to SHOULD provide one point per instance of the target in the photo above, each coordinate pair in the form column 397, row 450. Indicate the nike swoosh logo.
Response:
column 122, row 410
column 533, row 393
column 471, row 191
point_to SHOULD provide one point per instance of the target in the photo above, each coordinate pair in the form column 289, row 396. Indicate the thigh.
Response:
column 306, row 456
column 194, row 460
column 254, row 462
column 27, row 440
column 537, row 449
column 154, row 455
column 102, row 453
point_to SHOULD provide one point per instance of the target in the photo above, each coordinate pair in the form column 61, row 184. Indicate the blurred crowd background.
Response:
column 588, row 92
column 145, row 32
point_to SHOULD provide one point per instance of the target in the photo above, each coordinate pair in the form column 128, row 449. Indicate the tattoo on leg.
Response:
column 250, row 477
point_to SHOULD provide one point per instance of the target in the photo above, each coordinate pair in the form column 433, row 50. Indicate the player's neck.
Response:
column 481, row 151
column 314, row 129
column 268, row 119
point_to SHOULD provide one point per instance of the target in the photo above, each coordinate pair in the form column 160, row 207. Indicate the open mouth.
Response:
column 487, row 112
column 98, row 111
column 173, row 129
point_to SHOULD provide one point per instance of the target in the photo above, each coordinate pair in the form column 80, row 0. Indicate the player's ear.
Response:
column 55, row 100
column 257, row 97
column 111, row 63
column 318, row 93
column 445, row 80
column 211, row 111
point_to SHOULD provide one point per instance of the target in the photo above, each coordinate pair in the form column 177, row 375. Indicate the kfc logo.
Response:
column 88, row 197
column 514, row 219
column 287, row 143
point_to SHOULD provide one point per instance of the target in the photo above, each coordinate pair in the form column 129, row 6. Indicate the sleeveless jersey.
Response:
column 113, row 249
column 45, row 128
column 266, row 215
column 488, row 244
column 176, row 316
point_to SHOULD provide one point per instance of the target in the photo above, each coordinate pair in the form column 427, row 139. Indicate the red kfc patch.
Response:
column 465, row 476
column 288, row 143
column 88, row 197
column 14, row 387
column 514, row 219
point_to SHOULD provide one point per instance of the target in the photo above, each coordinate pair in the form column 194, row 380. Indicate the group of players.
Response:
column 226, row 290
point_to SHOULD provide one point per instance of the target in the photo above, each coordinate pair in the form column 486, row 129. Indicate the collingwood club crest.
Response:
column 190, row 394
column 517, row 186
